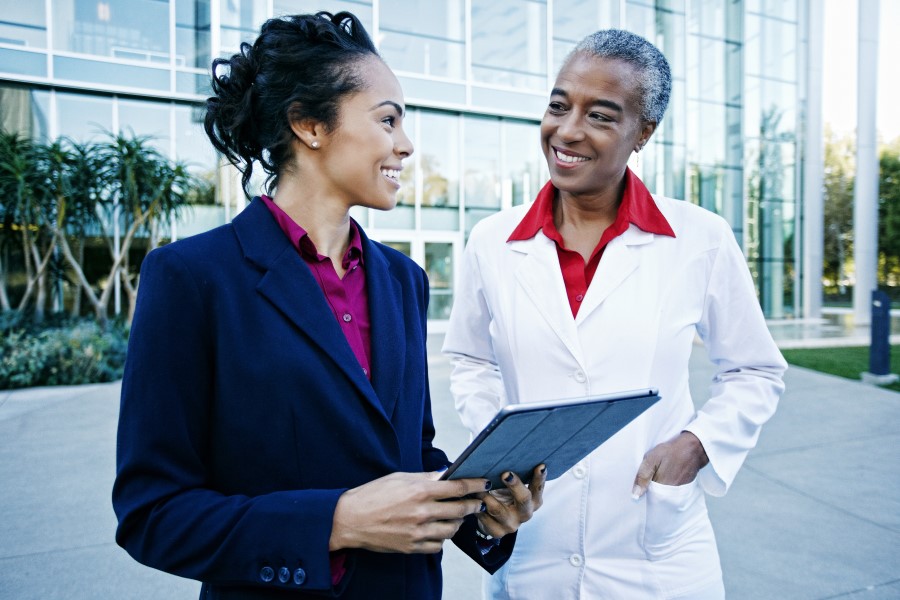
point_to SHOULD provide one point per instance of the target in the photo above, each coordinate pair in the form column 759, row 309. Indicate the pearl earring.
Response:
column 315, row 145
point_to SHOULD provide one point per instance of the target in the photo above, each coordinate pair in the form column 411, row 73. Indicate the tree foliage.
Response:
column 53, row 196
column 839, row 179
column 889, row 215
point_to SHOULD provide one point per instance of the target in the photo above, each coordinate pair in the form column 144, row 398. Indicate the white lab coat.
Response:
column 512, row 339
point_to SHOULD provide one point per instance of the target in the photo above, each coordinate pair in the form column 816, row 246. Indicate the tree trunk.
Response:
column 33, row 281
column 4, row 297
column 76, row 299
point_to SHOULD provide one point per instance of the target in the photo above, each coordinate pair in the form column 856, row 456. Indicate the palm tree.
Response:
column 25, row 214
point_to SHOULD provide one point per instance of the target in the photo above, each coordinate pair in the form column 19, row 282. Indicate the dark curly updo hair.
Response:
column 299, row 67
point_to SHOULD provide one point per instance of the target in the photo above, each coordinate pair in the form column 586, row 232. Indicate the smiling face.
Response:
column 359, row 162
column 592, row 125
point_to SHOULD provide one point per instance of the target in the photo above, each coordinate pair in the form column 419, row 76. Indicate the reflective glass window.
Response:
column 241, row 21
column 438, row 159
column 192, row 34
column 133, row 30
column 24, row 111
column 192, row 146
column 24, row 24
column 482, row 162
column 424, row 37
column 664, row 29
column 575, row 19
column 439, row 266
column 523, row 162
column 147, row 119
column 82, row 117
column 361, row 8
column 509, row 43
column 21, row 62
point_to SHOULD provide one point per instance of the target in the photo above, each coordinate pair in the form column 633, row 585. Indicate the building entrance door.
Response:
column 438, row 254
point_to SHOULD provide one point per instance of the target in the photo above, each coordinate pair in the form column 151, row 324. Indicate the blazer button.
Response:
column 299, row 576
column 267, row 574
column 284, row 574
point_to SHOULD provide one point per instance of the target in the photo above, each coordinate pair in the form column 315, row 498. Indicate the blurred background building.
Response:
column 476, row 75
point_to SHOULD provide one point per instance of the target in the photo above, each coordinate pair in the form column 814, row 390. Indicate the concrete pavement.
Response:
column 815, row 513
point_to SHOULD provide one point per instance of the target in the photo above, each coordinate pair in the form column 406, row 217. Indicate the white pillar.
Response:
column 813, row 165
column 865, row 197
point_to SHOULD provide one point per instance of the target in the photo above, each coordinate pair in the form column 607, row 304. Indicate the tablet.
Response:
column 556, row 433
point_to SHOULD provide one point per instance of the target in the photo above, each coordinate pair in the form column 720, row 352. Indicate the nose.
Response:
column 569, row 127
column 403, row 146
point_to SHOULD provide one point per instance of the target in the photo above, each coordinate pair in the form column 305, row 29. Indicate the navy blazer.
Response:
column 245, row 415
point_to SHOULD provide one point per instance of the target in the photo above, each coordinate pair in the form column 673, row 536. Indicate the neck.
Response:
column 326, row 222
column 572, row 210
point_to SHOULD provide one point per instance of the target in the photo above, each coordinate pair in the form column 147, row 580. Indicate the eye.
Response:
column 390, row 121
column 595, row 116
column 556, row 108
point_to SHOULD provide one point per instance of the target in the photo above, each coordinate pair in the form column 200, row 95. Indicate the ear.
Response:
column 309, row 132
column 647, row 129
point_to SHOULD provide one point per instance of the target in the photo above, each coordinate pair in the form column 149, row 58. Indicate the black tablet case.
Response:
column 558, row 434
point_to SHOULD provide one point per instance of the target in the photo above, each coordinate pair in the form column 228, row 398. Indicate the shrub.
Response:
column 64, row 353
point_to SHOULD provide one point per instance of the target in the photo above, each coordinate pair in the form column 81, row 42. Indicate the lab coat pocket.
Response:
column 674, row 513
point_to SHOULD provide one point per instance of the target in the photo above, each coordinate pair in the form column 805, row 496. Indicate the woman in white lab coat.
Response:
column 600, row 287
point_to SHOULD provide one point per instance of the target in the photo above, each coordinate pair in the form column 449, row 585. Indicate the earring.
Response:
column 314, row 144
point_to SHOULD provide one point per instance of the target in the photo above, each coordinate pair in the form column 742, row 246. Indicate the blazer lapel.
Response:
column 540, row 276
column 387, row 316
column 289, row 286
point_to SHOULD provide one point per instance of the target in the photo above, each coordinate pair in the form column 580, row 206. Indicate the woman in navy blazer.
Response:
column 275, row 434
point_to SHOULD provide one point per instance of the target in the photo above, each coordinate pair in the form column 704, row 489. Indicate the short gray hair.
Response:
column 653, row 73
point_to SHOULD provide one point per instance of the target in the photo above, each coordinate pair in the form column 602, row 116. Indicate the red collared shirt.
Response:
column 637, row 207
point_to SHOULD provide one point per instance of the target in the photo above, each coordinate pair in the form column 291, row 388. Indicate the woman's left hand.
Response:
column 675, row 462
column 507, row 509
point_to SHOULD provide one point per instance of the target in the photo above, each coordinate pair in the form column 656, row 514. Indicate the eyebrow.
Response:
column 598, row 102
column 397, row 107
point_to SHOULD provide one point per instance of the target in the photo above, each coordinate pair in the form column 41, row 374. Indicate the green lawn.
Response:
column 843, row 362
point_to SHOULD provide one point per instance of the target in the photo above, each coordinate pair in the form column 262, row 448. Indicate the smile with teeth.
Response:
column 569, row 159
column 392, row 174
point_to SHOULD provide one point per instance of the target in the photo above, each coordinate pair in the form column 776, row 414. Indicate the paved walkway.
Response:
column 815, row 513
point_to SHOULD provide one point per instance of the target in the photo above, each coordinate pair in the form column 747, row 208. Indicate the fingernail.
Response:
column 442, row 469
column 509, row 478
column 488, row 485
column 483, row 507
column 636, row 492
column 543, row 469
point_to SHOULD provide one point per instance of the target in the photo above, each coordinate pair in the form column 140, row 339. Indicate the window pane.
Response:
column 427, row 38
column 361, row 8
column 241, row 21
column 192, row 36
column 24, row 24
column 439, row 266
column 509, row 43
column 146, row 119
column 24, row 111
column 523, row 161
column 191, row 144
column 84, row 118
column 439, row 159
column 482, row 162
column 136, row 30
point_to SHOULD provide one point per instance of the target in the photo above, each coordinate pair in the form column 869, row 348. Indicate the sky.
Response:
column 839, row 68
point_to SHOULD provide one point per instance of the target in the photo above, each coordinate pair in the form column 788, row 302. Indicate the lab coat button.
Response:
column 579, row 377
column 576, row 560
column 284, row 574
column 267, row 574
column 579, row 472
column 299, row 576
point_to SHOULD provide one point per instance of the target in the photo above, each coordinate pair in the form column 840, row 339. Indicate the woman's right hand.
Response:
column 410, row 513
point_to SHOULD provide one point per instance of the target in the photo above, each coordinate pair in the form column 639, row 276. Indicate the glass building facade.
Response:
column 476, row 75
